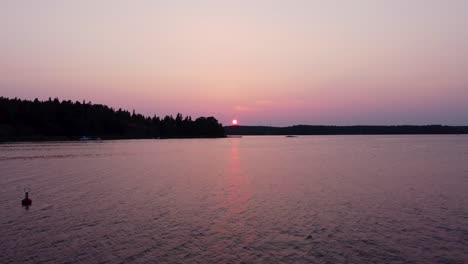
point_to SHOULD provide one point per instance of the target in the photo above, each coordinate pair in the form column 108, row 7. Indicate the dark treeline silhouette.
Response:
column 56, row 120
column 345, row 130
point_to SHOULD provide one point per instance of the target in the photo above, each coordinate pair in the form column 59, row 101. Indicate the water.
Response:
column 317, row 199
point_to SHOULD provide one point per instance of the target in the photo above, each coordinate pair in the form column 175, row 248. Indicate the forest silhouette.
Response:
column 64, row 120
column 22, row 120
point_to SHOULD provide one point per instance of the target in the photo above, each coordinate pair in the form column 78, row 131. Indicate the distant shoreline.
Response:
column 36, row 140
column 55, row 120
column 345, row 130
column 66, row 139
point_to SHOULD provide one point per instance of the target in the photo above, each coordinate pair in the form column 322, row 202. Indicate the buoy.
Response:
column 26, row 201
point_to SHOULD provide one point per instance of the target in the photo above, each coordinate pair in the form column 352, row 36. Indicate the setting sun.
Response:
column 234, row 122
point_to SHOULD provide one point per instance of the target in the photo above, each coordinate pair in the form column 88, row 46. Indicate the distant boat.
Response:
column 290, row 136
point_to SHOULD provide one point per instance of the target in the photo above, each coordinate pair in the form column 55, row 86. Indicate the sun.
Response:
column 234, row 122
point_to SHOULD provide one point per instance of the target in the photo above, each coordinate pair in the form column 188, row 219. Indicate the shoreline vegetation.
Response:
column 345, row 130
column 53, row 120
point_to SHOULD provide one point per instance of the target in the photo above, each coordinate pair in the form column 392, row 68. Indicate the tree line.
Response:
column 345, row 130
column 55, row 120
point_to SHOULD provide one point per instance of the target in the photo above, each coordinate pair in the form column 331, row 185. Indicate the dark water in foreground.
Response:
column 330, row 199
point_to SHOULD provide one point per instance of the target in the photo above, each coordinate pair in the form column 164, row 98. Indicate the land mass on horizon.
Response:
column 345, row 130
column 23, row 120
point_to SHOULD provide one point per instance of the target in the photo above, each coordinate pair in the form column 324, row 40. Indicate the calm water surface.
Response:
column 330, row 199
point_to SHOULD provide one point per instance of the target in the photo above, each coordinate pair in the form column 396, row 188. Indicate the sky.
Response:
column 263, row 62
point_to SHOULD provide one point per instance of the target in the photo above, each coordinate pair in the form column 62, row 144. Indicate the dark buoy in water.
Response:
column 26, row 201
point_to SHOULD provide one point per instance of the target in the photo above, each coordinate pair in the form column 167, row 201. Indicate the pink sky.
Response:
column 264, row 63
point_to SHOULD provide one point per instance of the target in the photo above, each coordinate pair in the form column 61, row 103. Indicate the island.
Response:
column 345, row 130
